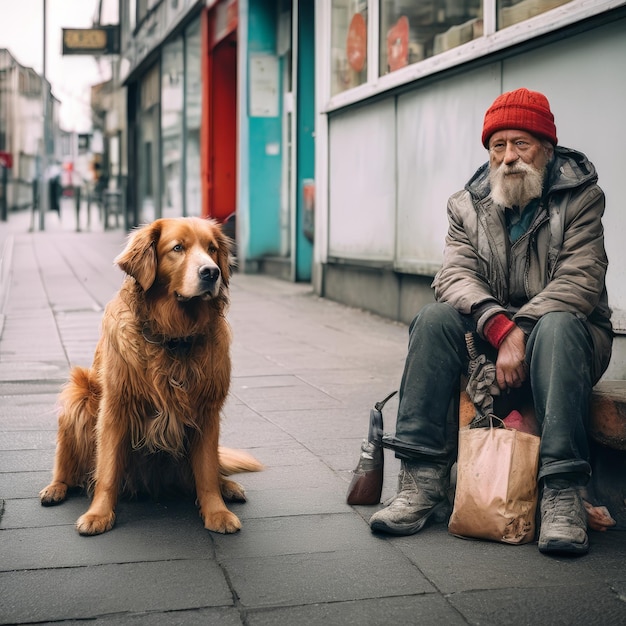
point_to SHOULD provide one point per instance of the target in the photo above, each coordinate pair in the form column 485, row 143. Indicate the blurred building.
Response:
column 22, row 143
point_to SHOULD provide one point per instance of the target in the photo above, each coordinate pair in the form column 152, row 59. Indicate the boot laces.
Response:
column 423, row 490
column 564, row 505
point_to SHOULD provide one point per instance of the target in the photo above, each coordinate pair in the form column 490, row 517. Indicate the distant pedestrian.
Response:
column 524, row 268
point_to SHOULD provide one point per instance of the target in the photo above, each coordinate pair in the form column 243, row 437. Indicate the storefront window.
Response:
column 513, row 11
column 411, row 30
column 148, row 151
column 193, row 107
column 172, row 91
column 349, row 44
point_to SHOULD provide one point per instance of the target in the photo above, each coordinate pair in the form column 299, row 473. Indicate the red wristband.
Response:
column 497, row 328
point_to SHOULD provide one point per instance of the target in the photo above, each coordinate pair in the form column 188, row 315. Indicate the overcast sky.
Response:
column 21, row 31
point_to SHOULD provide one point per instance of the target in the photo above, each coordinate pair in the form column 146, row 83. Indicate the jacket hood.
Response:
column 568, row 169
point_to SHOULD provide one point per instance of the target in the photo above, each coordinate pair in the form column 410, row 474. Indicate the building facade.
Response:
column 220, row 121
column 402, row 87
column 24, row 95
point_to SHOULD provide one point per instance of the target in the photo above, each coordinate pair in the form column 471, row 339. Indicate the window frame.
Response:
column 492, row 41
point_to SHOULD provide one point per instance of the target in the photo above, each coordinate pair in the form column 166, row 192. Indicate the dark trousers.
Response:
column 559, row 353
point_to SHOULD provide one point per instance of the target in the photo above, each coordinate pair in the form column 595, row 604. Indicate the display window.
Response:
column 172, row 106
column 411, row 31
column 380, row 44
column 192, row 199
column 348, row 44
column 515, row 11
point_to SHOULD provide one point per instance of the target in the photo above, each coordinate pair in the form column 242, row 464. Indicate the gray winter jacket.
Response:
column 565, row 260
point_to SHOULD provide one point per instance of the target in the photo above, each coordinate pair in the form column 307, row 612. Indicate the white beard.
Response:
column 517, row 191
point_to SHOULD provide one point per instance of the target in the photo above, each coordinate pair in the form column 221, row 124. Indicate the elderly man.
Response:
column 524, row 268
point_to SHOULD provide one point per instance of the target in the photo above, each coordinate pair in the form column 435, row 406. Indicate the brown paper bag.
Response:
column 496, row 489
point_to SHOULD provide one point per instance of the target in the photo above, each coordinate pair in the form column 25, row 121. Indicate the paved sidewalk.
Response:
column 306, row 372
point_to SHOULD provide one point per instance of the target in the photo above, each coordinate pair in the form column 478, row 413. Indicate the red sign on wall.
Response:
column 6, row 159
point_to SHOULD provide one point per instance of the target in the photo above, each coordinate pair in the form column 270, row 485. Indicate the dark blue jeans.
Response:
column 559, row 353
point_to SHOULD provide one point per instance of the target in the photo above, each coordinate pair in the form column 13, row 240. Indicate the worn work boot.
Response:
column 422, row 494
column 563, row 520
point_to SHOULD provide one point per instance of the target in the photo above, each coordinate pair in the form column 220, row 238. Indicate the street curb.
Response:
column 6, row 260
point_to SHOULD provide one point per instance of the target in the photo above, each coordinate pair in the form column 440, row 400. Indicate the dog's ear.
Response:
column 225, row 259
column 139, row 258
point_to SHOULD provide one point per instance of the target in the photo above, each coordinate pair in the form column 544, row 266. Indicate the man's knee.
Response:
column 436, row 315
column 561, row 328
column 560, row 345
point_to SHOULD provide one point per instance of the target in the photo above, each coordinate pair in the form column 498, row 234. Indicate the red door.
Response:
column 219, row 125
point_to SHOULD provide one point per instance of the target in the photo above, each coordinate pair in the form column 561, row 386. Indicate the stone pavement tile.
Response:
column 587, row 603
column 144, row 531
column 23, row 484
column 64, row 290
column 18, row 393
column 79, row 332
column 311, row 473
column 321, row 423
column 28, row 411
column 274, row 454
column 249, row 363
column 28, row 439
column 333, row 576
column 53, row 368
column 88, row 257
column 241, row 427
column 26, row 460
column 29, row 513
column 267, row 502
column 495, row 565
column 295, row 396
column 86, row 592
column 342, row 454
column 428, row 609
column 301, row 534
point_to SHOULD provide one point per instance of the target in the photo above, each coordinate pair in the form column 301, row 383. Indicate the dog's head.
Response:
column 186, row 257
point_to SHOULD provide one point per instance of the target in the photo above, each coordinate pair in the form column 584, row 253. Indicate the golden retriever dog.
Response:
column 145, row 418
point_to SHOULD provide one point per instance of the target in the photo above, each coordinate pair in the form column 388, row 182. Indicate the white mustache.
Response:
column 519, row 168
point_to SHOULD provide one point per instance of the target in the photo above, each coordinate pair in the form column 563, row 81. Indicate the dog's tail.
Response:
column 237, row 461
column 80, row 396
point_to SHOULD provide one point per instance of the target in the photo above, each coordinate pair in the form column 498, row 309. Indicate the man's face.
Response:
column 517, row 167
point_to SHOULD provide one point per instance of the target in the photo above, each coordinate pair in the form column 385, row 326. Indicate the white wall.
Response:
column 439, row 149
column 362, row 183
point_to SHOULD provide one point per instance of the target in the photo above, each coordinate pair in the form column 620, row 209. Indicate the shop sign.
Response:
column 96, row 41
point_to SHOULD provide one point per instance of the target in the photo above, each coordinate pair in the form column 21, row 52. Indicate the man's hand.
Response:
column 510, row 364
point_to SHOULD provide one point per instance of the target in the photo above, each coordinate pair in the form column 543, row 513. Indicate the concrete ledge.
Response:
column 608, row 414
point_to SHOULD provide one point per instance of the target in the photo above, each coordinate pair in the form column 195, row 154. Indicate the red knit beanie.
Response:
column 520, row 110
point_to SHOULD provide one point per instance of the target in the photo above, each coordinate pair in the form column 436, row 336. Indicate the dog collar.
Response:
column 177, row 346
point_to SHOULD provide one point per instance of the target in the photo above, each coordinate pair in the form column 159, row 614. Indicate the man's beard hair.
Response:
column 516, row 191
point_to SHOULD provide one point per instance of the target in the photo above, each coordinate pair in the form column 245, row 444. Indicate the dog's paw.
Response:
column 92, row 524
column 222, row 522
column 54, row 493
column 232, row 490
